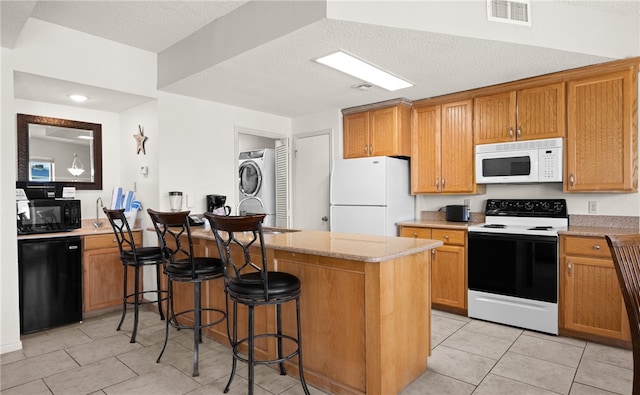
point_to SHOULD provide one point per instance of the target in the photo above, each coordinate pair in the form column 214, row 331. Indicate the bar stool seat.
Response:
column 135, row 257
column 251, row 286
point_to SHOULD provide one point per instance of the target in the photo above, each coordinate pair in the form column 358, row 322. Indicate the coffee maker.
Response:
column 215, row 205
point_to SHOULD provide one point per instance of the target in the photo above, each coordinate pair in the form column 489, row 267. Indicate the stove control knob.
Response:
column 528, row 206
column 545, row 206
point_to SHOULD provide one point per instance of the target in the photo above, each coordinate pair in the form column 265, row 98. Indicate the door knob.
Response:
column 325, row 218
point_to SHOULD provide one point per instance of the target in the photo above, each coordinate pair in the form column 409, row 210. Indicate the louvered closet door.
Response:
column 282, row 183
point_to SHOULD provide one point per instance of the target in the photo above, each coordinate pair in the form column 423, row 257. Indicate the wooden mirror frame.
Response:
column 23, row 122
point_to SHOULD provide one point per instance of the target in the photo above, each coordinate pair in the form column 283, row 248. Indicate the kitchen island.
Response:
column 365, row 307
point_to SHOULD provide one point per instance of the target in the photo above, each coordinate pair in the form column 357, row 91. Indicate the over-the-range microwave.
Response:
column 519, row 162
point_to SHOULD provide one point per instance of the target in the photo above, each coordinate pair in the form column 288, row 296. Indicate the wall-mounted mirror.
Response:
column 59, row 151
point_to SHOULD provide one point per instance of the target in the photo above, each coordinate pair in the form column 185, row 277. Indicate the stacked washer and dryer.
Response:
column 257, row 176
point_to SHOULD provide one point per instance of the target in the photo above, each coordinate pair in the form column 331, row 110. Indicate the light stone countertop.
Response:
column 596, row 231
column 363, row 248
column 87, row 229
column 437, row 223
column 594, row 226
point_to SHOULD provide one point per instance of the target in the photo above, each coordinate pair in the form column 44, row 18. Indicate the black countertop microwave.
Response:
column 48, row 215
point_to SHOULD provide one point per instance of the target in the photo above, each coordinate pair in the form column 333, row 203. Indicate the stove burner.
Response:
column 541, row 228
column 497, row 226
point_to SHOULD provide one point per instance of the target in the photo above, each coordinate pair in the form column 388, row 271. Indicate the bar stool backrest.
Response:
column 121, row 229
column 241, row 232
column 170, row 227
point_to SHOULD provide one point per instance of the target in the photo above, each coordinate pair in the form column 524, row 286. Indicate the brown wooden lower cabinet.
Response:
column 448, row 266
column 591, row 304
column 103, row 277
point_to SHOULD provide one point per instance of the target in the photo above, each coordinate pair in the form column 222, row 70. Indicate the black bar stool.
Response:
column 180, row 264
column 136, row 257
column 251, row 284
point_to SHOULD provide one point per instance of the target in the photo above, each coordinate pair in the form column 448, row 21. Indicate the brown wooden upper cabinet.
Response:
column 377, row 132
column 602, row 150
column 525, row 114
column 442, row 156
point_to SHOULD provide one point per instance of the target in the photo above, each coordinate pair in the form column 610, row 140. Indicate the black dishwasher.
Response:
column 50, row 280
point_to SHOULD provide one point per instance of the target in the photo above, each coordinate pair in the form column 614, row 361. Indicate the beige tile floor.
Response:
column 469, row 357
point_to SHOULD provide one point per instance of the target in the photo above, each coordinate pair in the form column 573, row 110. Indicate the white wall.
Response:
column 10, row 322
column 74, row 56
column 330, row 119
column 197, row 154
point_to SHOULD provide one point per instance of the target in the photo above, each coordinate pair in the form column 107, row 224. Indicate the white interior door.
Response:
column 312, row 167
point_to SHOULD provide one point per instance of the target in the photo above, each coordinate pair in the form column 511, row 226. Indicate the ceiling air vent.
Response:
column 516, row 12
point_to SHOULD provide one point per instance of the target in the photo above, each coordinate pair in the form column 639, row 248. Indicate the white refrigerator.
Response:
column 370, row 195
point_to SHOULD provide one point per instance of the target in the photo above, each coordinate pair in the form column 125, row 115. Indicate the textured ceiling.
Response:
column 433, row 62
column 278, row 77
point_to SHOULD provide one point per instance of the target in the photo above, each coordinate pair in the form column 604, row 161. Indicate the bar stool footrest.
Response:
column 129, row 296
column 174, row 323
column 242, row 358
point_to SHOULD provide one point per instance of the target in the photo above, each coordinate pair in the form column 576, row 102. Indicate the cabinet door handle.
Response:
column 571, row 180
column 437, row 184
column 596, row 247
column 519, row 131
column 443, row 184
column 370, row 149
column 366, row 149
column 433, row 254
column 569, row 267
column 415, row 234
column 511, row 132
column 446, row 237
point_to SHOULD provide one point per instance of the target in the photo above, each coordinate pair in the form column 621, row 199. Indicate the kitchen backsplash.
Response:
column 604, row 221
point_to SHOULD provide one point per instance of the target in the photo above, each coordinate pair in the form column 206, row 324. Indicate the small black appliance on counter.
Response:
column 215, row 204
column 457, row 213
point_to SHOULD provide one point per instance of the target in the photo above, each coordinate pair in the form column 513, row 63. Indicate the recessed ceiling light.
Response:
column 355, row 67
column 78, row 98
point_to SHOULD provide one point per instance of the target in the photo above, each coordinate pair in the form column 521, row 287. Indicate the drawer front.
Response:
column 449, row 236
column 107, row 240
column 420, row 233
column 588, row 246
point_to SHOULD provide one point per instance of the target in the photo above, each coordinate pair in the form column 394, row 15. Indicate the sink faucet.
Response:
column 97, row 222
column 248, row 198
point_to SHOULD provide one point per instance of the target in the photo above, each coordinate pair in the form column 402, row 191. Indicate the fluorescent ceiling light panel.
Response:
column 355, row 67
